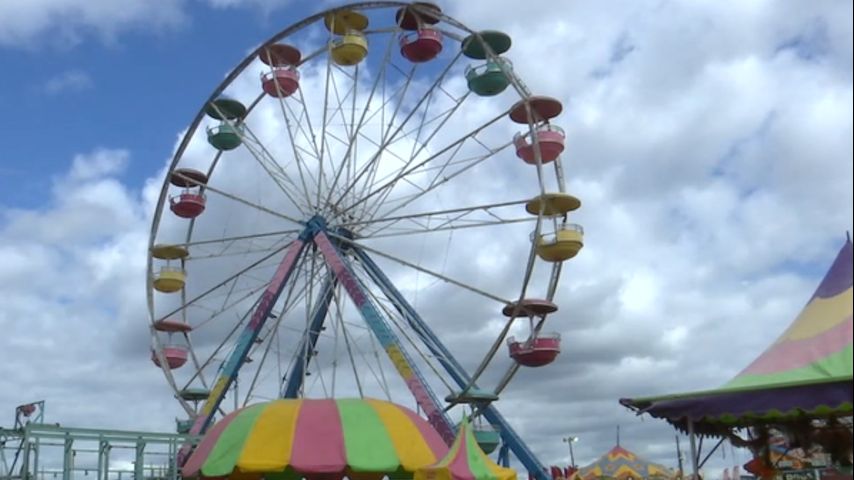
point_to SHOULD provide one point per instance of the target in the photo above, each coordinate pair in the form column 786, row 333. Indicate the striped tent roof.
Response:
column 807, row 371
column 622, row 464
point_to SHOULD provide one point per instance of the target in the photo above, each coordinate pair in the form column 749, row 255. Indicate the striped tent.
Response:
column 805, row 373
column 465, row 461
column 622, row 464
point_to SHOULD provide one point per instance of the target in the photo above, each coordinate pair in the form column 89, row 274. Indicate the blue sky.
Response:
column 710, row 143
column 135, row 91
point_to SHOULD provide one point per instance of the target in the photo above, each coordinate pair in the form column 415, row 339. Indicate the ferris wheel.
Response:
column 346, row 207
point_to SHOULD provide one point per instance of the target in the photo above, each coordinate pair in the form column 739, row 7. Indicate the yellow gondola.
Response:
column 561, row 245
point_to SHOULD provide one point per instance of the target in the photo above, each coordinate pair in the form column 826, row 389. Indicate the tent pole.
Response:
column 693, row 440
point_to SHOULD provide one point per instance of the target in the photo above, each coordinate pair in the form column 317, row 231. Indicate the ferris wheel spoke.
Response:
column 438, row 178
column 275, row 171
column 423, row 222
column 296, row 149
column 323, row 125
column 339, row 109
column 356, row 128
column 429, row 229
column 305, row 119
column 409, row 264
column 210, row 359
column 251, row 244
column 242, row 320
column 419, row 146
column 465, row 210
column 297, row 128
column 240, row 253
column 243, row 201
column 237, row 238
column 227, row 280
column 453, row 145
column 263, row 360
column 398, row 322
column 389, row 136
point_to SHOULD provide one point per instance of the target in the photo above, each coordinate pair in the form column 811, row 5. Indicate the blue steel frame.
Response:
column 308, row 342
column 454, row 369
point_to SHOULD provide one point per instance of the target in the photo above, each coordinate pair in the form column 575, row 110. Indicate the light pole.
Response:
column 569, row 441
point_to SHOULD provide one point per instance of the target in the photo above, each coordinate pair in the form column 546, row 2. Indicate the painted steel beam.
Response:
column 414, row 379
column 247, row 337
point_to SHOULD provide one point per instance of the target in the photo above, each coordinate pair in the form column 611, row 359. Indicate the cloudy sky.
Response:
column 709, row 142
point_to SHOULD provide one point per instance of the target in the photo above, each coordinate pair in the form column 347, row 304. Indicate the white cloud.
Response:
column 69, row 81
column 32, row 23
column 72, row 283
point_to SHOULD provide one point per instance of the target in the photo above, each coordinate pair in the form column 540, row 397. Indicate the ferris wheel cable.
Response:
column 415, row 144
column 297, row 159
column 380, row 75
column 434, row 183
column 252, row 384
column 231, row 277
column 390, row 221
column 305, row 118
column 358, row 127
column 447, row 224
column 294, row 354
column 446, row 116
column 423, row 144
column 445, row 278
column 413, row 231
column 247, row 202
column 309, row 301
column 349, row 350
column 410, row 216
column 388, row 138
column 235, row 238
column 266, row 160
column 242, row 253
column 325, row 111
column 391, row 317
column 441, row 117
column 340, row 110
column 226, row 249
column 385, row 129
column 455, row 143
column 299, row 120
column 215, row 314
column 212, row 356
column 282, row 179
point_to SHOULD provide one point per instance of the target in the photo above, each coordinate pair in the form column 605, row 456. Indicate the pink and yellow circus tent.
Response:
column 806, row 373
column 328, row 439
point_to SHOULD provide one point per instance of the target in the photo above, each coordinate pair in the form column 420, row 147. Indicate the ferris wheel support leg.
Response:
column 247, row 338
column 510, row 438
column 306, row 345
column 404, row 365
column 504, row 455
